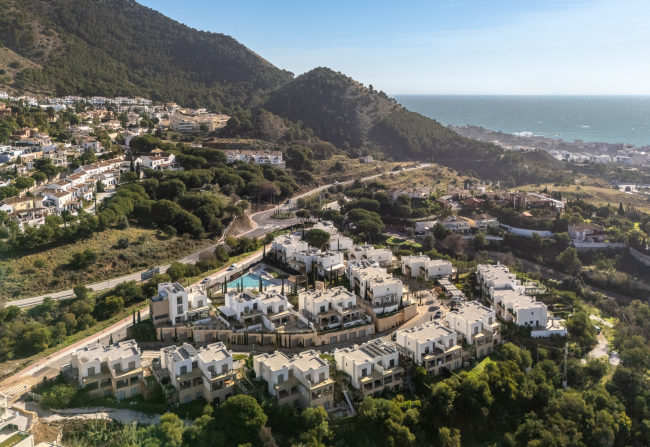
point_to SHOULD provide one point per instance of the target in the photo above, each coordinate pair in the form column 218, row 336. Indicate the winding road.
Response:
column 264, row 223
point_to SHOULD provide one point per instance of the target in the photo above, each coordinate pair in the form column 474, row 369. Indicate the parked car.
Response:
column 232, row 267
column 206, row 280
column 335, row 183
column 438, row 314
column 597, row 329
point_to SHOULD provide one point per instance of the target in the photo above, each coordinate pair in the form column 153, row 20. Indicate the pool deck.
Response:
column 259, row 271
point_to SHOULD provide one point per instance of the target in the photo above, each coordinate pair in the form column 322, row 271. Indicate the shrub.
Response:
column 123, row 243
column 39, row 263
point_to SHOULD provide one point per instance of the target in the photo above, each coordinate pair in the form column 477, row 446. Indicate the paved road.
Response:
column 264, row 221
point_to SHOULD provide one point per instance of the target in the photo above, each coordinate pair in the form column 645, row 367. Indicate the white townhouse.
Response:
column 175, row 304
column 601, row 159
column 381, row 291
column 366, row 252
column 431, row 345
column 160, row 161
column 302, row 381
column 424, row 227
column 269, row 309
column 336, row 307
column 436, row 269
column 327, row 226
column 207, row 373
column 303, row 260
column 338, row 242
column 522, row 309
column 93, row 144
column 329, row 264
column 284, row 246
column 477, row 324
column 109, row 370
column 372, row 367
column 60, row 200
column 414, row 266
column 496, row 277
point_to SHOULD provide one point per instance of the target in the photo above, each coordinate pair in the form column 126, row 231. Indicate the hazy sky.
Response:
column 579, row 47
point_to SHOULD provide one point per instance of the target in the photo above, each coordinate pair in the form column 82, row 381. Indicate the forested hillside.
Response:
column 118, row 47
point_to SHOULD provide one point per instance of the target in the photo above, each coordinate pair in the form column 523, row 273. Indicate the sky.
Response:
column 448, row 47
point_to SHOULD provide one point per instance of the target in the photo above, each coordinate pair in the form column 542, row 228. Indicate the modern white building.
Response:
column 303, row 260
column 523, row 310
column 484, row 221
column 175, row 304
column 477, row 324
column 411, row 265
column 268, row 309
column 302, row 381
column 457, row 224
column 367, row 252
column 256, row 157
column 338, row 242
column 207, row 373
column 335, row 307
column 414, row 266
column 431, row 345
column 496, row 277
column 372, row 367
column 283, row 247
column 329, row 264
column 109, row 370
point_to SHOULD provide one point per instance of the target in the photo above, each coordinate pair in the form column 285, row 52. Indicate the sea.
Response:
column 602, row 119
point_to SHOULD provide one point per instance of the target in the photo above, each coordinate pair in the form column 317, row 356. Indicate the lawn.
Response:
column 238, row 357
column 20, row 278
column 284, row 216
column 478, row 369
column 15, row 439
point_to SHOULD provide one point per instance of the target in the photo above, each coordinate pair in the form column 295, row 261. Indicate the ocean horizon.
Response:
column 602, row 119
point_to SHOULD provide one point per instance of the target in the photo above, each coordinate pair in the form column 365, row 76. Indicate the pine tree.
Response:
column 132, row 166
column 175, row 334
column 139, row 320
column 282, row 291
column 261, row 285
column 133, row 316
column 110, row 340
column 621, row 210
column 137, row 169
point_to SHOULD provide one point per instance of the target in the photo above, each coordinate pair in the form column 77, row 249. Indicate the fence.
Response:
column 524, row 232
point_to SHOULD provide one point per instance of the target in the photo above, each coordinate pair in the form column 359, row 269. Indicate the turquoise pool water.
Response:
column 249, row 281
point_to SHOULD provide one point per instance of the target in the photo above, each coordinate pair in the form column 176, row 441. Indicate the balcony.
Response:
column 121, row 384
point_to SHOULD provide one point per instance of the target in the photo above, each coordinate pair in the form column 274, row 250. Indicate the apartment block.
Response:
column 372, row 367
column 432, row 345
column 515, row 306
column 477, row 324
column 330, row 308
column 411, row 265
column 496, row 277
column 187, row 374
column 302, row 260
column 109, row 370
column 329, row 264
column 175, row 304
column 302, row 381
column 366, row 252
column 283, row 247
column 265, row 309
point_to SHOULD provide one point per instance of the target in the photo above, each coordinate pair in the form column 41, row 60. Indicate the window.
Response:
column 179, row 310
column 187, row 399
column 91, row 371
column 183, row 369
column 364, row 372
column 280, row 378
column 134, row 391
column 179, row 300
column 224, row 368
column 392, row 363
column 117, row 367
column 199, row 394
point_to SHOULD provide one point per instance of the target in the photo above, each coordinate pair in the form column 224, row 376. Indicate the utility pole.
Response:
column 566, row 366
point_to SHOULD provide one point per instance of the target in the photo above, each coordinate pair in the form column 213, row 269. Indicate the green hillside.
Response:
column 118, row 47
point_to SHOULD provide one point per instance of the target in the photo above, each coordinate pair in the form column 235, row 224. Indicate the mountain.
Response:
column 119, row 47
column 350, row 115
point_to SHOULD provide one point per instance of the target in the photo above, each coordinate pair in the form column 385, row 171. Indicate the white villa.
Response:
column 372, row 367
column 269, row 309
column 302, row 381
column 367, row 252
column 330, row 308
column 477, row 324
column 431, row 345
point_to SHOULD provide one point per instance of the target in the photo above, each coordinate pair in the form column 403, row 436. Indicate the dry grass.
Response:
column 19, row 278
column 7, row 57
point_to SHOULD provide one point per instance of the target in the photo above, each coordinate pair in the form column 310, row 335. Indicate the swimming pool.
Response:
column 249, row 281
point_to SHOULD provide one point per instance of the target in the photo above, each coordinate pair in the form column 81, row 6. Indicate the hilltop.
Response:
column 118, row 47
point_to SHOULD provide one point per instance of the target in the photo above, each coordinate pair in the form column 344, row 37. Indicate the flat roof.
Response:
column 473, row 311
column 370, row 350
column 214, row 353
column 428, row 332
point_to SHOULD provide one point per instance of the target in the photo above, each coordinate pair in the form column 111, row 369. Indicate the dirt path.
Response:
column 602, row 350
